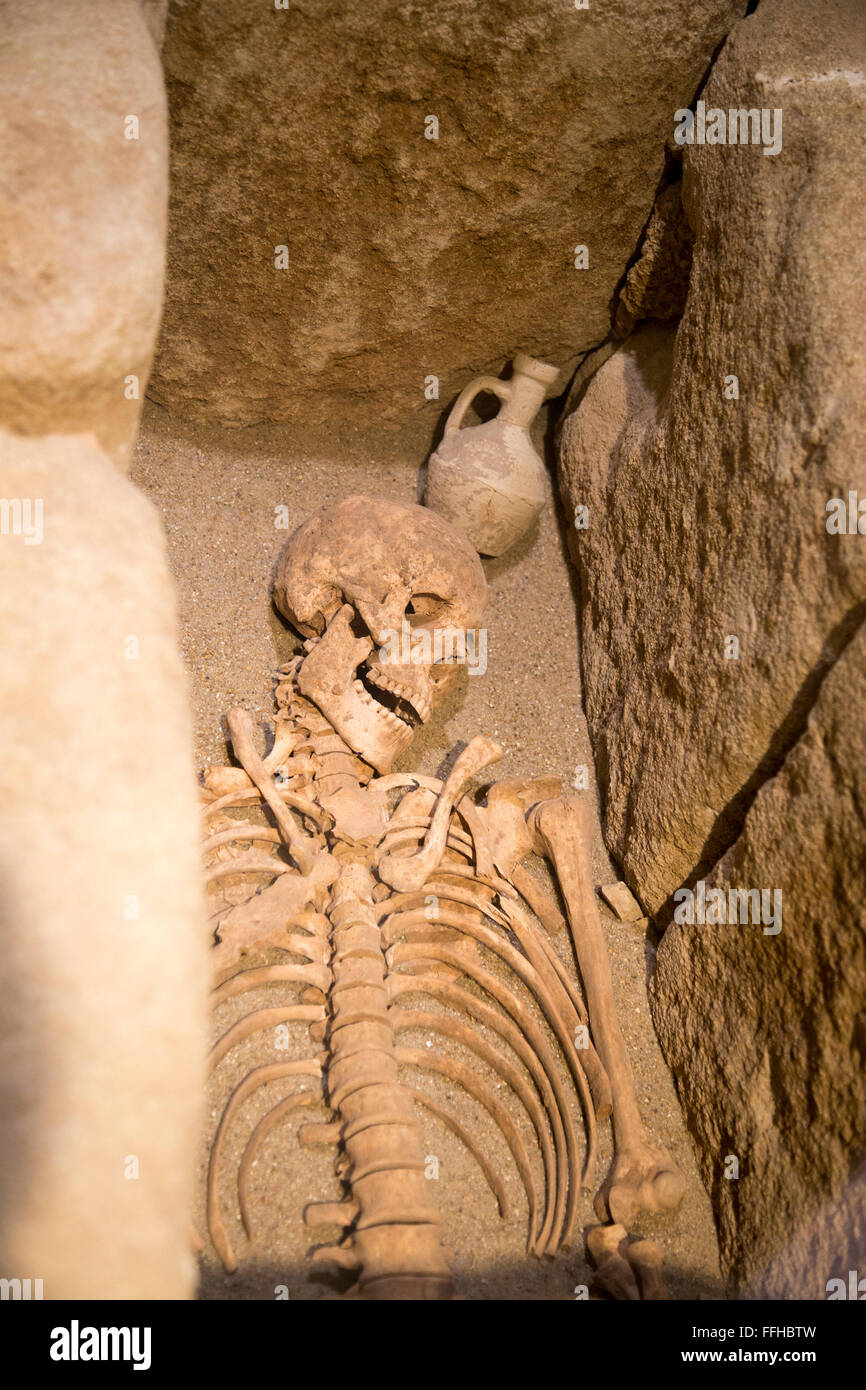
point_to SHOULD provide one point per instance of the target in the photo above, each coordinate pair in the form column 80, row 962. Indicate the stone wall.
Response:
column 405, row 256
column 722, row 643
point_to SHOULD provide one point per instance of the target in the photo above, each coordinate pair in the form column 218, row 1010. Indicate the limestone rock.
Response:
column 407, row 257
column 82, row 216
column 722, row 638
column 103, row 969
column 766, row 1031
column 706, row 514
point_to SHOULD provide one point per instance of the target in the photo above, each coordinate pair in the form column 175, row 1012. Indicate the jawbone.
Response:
column 327, row 678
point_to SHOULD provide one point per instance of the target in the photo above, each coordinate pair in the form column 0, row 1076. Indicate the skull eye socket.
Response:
column 424, row 609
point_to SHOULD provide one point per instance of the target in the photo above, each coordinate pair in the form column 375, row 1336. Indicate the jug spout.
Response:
column 529, row 384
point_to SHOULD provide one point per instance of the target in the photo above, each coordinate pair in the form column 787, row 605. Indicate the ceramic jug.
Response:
column 488, row 480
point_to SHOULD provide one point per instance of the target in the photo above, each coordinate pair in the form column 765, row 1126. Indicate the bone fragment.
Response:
column 258, row 1021
column 541, row 902
column 607, row 1246
column 320, row 1136
column 264, row 920
column 645, row 1258
column 331, row 1213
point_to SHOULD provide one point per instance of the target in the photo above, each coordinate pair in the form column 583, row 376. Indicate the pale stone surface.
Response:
column 707, row 522
column 102, row 1034
column 104, row 974
column 155, row 14
column 407, row 256
column 82, row 216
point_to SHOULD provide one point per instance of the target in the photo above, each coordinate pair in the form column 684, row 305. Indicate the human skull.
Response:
column 371, row 582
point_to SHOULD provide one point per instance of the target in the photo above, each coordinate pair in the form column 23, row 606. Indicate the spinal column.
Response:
column 396, row 1240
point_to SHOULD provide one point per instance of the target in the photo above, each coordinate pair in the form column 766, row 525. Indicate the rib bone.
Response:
column 259, row 1077
column 547, row 1082
column 452, row 1027
column 490, row 1174
column 266, row 1124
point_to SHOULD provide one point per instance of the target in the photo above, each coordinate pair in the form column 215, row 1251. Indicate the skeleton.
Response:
column 370, row 889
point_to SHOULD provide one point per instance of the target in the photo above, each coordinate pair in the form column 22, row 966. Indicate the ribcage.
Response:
column 434, row 1051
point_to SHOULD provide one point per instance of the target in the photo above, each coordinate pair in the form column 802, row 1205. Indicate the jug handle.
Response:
column 502, row 389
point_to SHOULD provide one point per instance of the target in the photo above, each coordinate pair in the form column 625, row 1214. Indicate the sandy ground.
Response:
column 218, row 494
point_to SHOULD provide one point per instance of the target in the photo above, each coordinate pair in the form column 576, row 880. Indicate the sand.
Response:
column 220, row 493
